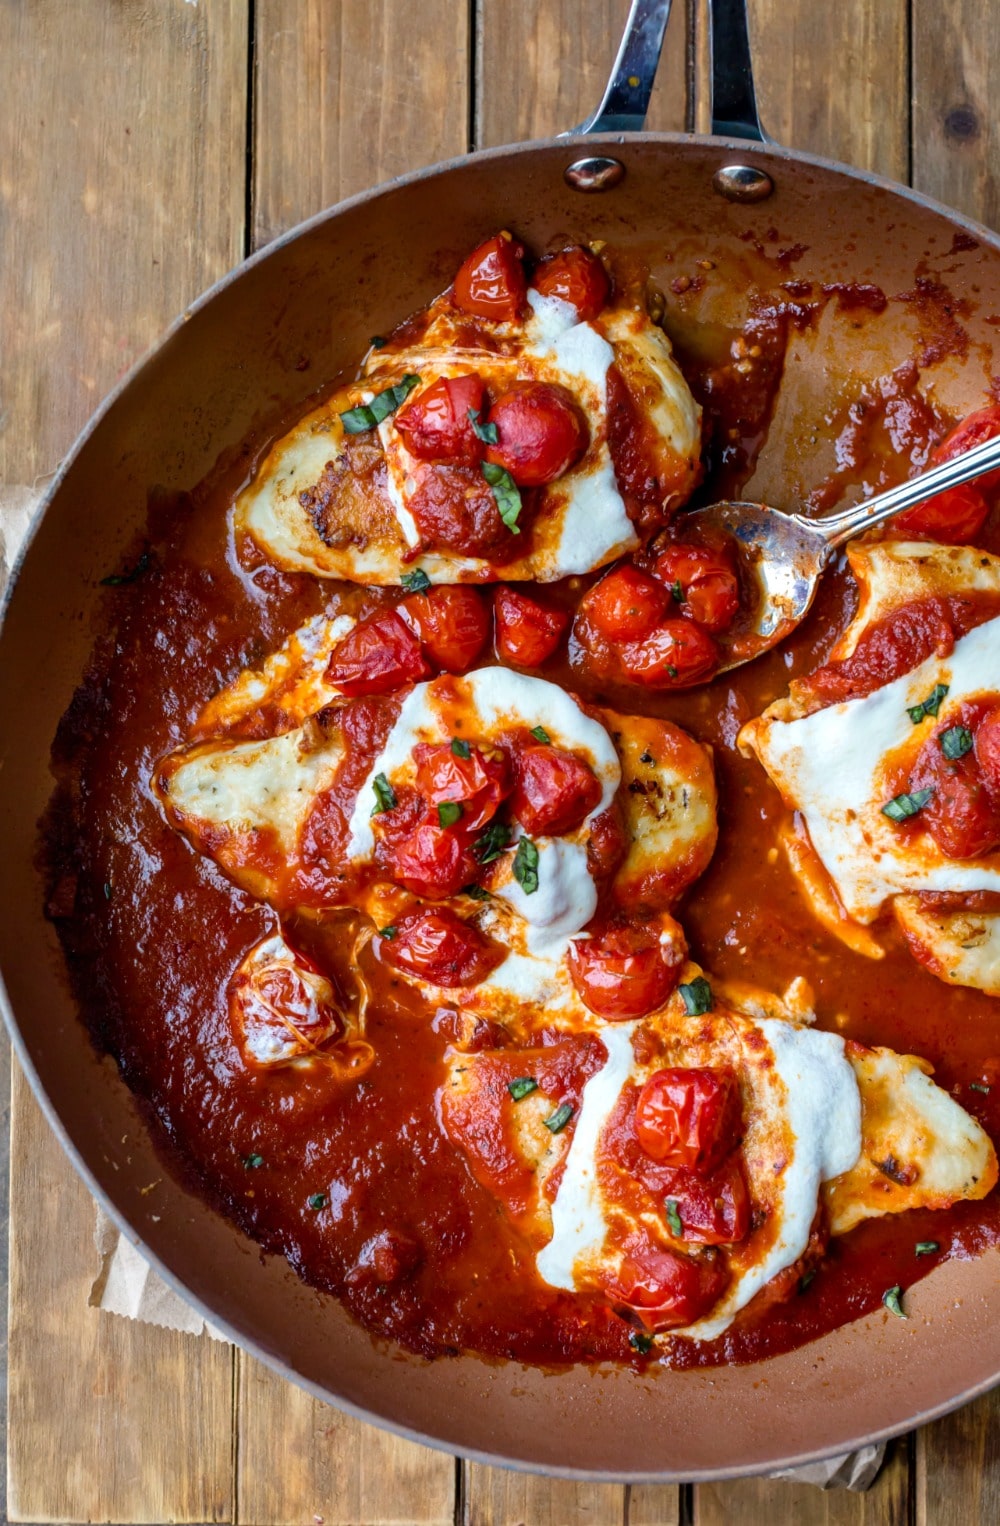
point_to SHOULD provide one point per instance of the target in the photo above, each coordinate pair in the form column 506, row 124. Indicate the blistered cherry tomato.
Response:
column 478, row 783
column 662, row 1288
column 690, row 1118
column 574, row 275
column 962, row 815
column 554, row 791
column 675, row 654
column 439, row 947
column 527, row 633
column 436, row 424
column 491, row 283
column 624, row 971
column 540, row 433
column 956, row 515
column 380, row 654
column 453, row 623
column 706, row 580
column 975, row 429
column 987, row 749
column 434, row 861
column 627, row 604
column 713, row 1210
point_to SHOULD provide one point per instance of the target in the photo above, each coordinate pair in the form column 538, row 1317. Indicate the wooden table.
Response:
column 145, row 148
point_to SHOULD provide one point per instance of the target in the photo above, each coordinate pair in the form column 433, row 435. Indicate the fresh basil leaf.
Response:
column 557, row 1121
column 806, row 1279
column 978, row 1086
column 505, row 491
column 251, row 1162
column 541, row 735
column 119, row 579
column 930, row 706
column 449, row 811
column 369, row 415
column 697, row 996
column 416, row 581
column 674, row 1218
column 526, row 866
column 902, row 807
column 926, row 1247
column 388, row 932
column 640, row 1341
column 459, row 748
column 491, row 843
column 677, row 591
column 956, row 742
column 476, row 892
column 318, row 1200
column 523, row 1086
column 485, row 432
column 385, row 795
column 891, row 1298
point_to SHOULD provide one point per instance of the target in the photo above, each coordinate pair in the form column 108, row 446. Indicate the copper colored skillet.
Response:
column 226, row 368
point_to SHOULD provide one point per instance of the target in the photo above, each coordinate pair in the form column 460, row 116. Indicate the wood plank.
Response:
column 958, row 1466
column 764, row 1501
column 112, row 218
column 497, row 1497
column 653, row 1505
column 340, row 105
column 543, row 64
column 956, row 136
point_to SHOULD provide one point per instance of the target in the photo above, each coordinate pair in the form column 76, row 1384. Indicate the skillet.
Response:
column 228, row 366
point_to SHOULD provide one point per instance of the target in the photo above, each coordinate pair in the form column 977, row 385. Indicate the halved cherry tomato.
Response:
column 713, row 1210
column 439, row 947
column 453, row 623
column 574, row 275
column 554, row 791
column 607, row 845
column 454, row 510
column 527, row 633
column 491, row 283
column 987, row 749
column 380, row 654
column 956, row 515
column 706, row 580
column 962, row 815
column 675, row 654
column 436, row 424
column 624, row 971
column 478, row 783
column 663, row 1289
column 975, row 429
column 627, row 604
column 433, row 861
column 690, row 1118
column 540, row 433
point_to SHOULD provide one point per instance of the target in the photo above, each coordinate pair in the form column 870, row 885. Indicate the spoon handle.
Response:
column 835, row 529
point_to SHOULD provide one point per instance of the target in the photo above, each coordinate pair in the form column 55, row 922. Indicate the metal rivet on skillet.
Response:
column 595, row 174
column 742, row 182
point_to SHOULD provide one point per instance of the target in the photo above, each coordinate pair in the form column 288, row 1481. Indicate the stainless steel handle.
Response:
column 734, row 99
column 625, row 101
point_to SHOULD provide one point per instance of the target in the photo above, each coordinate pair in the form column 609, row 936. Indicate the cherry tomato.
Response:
column 453, row 623
column 540, row 433
column 491, row 283
column 713, row 1210
column 554, row 791
column 433, row 861
column 627, row 604
column 436, row 425
column 662, row 1288
column 380, row 654
column 624, row 971
column 690, row 1118
column 677, row 653
column 574, row 275
column 607, row 845
column 956, row 515
column 975, row 429
column 987, row 750
column 527, row 633
column 961, row 815
column 455, row 510
column 478, row 783
column 706, row 579
column 439, row 947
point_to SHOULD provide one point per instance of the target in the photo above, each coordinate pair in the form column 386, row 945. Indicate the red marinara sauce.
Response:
column 385, row 1214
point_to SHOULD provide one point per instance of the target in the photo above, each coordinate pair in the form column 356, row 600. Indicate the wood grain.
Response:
column 113, row 218
column 765, row 1501
column 958, row 1466
column 956, row 134
column 349, row 95
column 652, row 1505
column 496, row 1497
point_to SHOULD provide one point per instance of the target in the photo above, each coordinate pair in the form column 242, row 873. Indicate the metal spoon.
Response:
column 782, row 556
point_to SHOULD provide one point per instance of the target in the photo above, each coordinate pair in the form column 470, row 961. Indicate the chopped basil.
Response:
column 486, row 432
column 930, row 706
column 697, row 996
column 926, row 1247
column 978, row 1086
column 540, row 734
column 523, row 1086
column 118, row 579
column 674, row 1218
column 476, row 892
column 388, row 932
column 806, row 1279
column 671, row 670
column 318, row 1200
column 677, row 591
column 385, row 795
column 107, row 890
column 505, row 491
column 449, row 811
column 640, row 1342
column 557, row 1121
column 459, row 748
column 901, row 807
column 891, row 1298
column 956, row 742
column 370, row 415
column 251, row 1162
column 416, row 581
column 377, row 342
column 526, row 866
column 491, row 843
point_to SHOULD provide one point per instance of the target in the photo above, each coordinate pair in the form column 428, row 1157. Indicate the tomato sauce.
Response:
column 353, row 1179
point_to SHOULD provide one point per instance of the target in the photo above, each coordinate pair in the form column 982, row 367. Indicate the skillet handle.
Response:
column 734, row 100
column 625, row 100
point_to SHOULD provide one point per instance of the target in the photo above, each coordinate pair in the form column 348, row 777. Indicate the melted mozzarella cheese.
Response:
column 828, row 765
column 578, row 1214
column 290, row 685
